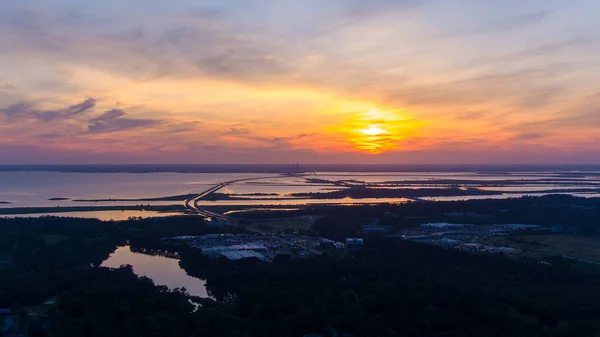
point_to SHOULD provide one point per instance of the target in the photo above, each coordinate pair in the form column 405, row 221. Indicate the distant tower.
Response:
column 297, row 166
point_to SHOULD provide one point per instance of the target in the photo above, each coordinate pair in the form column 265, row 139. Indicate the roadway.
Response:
column 193, row 204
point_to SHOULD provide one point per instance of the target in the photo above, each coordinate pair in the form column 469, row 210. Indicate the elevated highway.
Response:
column 193, row 204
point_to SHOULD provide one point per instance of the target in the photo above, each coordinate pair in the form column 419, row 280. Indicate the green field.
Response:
column 276, row 225
column 538, row 246
column 303, row 222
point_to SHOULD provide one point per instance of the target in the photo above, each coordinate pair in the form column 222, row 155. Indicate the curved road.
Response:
column 193, row 203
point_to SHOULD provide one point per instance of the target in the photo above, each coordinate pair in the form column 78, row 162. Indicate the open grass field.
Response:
column 276, row 225
column 303, row 222
column 577, row 246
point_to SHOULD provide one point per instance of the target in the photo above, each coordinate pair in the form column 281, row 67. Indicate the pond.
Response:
column 162, row 270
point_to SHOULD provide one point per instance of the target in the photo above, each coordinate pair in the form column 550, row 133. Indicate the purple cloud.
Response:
column 115, row 120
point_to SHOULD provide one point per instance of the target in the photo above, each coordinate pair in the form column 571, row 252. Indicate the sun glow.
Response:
column 378, row 130
column 374, row 137
column 373, row 130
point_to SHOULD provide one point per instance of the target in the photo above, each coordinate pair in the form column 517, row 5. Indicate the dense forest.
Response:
column 388, row 288
column 397, row 288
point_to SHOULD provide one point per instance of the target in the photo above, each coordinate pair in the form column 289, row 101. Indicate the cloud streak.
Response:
column 26, row 111
column 115, row 120
column 265, row 77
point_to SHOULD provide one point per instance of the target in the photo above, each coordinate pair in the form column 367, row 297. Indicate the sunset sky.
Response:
column 312, row 81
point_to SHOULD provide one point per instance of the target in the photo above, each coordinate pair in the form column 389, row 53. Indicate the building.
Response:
column 377, row 230
column 442, row 225
column 354, row 242
column 242, row 254
column 516, row 227
column 324, row 243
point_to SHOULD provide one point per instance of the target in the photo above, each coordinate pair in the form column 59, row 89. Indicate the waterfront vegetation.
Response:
column 49, row 210
column 362, row 192
column 50, row 276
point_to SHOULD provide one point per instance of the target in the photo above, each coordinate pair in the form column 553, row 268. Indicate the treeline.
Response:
column 45, row 254
column 580, row 215
column 364, row 192
column 388, row 288
column 397, row 288
column 103, row 302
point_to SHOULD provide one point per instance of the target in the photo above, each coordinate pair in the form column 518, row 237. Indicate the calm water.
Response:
column 162, row 270
column 102, row 215
column 34, row 188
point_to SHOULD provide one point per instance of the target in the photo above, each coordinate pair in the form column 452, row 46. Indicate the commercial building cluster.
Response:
column 261, row 246
column 466, row 237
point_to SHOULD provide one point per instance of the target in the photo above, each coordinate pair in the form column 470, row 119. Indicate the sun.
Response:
column 373, row 137
column 376, row 130
column 373, row 130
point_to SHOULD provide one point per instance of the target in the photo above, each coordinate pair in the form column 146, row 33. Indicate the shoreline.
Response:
column 49, row 210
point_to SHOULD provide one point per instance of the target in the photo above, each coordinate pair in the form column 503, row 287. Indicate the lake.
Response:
column 35, row 188
column 102, row 215
column 162, row 270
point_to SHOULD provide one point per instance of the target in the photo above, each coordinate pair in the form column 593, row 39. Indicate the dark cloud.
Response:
column 67, row 112
column 110, row 121
column 108, row 115
column 528, row 136
column 82, row 107
column 115, row 120
column 18, row 111
column 23, row 111
column 237, row 131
